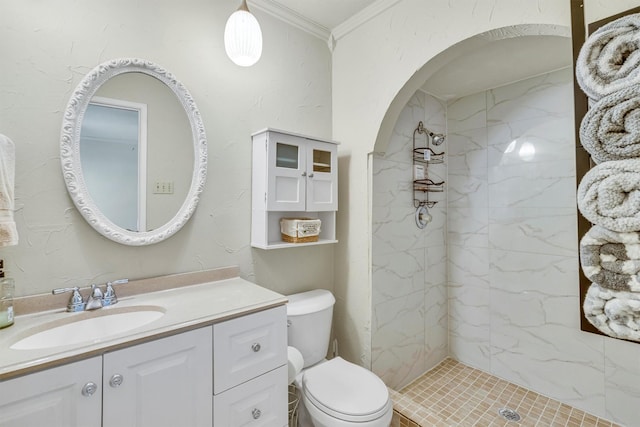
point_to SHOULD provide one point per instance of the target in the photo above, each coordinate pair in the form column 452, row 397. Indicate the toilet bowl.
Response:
column 333, row 393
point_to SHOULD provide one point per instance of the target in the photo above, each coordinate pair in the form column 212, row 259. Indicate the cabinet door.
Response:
column 322, row 177
column 56, row 397
column 286, row 173
column 167, row 382
column 261, row 402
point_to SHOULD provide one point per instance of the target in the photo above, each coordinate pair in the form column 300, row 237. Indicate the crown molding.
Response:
column 291, row 17
column 360, row 18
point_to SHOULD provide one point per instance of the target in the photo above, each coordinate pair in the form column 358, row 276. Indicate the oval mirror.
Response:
column 134, row 151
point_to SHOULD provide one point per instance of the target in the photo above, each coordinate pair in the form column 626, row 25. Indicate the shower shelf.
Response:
column 427, row 155
column 427, row 185
column 422, row 158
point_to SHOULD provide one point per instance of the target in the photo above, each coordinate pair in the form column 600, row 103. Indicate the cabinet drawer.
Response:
column 248, row 346
column 261, row 402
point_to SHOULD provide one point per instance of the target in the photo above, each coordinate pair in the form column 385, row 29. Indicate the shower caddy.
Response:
column 422, row 184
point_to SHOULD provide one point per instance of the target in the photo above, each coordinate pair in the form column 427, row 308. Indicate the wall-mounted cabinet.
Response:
column 293, row 176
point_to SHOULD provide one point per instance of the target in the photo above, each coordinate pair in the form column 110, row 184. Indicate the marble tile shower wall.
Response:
column 409, row 297
column 512, row 240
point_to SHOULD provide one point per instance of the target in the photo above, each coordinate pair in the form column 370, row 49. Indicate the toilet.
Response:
column 333, row 393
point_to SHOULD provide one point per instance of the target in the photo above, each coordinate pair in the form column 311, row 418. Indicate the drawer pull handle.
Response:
column 89, row 388
column 116, row 380
column 256, row 413
column 256, row 348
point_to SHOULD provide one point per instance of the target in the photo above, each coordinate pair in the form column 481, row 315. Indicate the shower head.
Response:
column 437, row 138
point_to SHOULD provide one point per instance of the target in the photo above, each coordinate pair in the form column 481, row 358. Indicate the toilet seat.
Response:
column 346, row 391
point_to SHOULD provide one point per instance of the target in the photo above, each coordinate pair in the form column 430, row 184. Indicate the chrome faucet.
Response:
column 96, row 299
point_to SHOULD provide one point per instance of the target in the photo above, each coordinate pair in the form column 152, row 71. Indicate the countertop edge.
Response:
column 152, row 336
column 192, row 300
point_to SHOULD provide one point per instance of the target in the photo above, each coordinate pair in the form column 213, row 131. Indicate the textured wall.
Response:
column 409, row 298
column 47, row 47
column 594, row 10
column 514, row 298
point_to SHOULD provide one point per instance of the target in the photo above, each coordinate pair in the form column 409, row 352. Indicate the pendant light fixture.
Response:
column 243, row 37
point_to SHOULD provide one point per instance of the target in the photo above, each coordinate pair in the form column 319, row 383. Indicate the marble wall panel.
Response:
column 468, row 227
column 534, row 230
column 622, row 376
column 409, row 295
column 398, row 348
column 466, row 191
column 518, row 316
column 548, row 95
column 467, row 113
column 436, row 319
column 398, row 274
column 468, row 151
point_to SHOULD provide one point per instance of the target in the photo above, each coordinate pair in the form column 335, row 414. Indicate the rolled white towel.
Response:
column 609, row 60
column 8, row 230
column 610, row 130
column 609, row 195
column 611, row 259
column 614, row 313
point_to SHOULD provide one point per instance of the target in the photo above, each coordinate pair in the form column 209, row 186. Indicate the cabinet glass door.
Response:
column 321, row 161
column 287, row 173
column 286, row 156
column 322, row 188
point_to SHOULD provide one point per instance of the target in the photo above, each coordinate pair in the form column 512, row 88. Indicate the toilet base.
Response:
column 304, row 419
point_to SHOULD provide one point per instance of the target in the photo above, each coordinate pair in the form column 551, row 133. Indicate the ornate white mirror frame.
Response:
column 70, row 151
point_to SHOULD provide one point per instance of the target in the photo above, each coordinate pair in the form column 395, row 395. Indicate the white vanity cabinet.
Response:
column 167, row 382
column 231, row 373
column 66, row 396
column 250, row 372
column 292, row 176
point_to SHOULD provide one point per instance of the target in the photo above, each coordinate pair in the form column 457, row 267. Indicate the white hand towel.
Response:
column 8, row 230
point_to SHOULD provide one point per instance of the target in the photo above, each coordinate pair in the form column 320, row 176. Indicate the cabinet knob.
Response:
column 89, row 388
column 304, row 174
column 256, row 347
column 116, row 380
column 256, row 413
column 311, row 175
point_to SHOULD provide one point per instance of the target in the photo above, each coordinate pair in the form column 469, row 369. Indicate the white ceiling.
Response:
column 494, row 64
column 498, row 63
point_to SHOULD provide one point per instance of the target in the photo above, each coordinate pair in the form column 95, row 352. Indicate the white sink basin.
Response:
column 88, row 327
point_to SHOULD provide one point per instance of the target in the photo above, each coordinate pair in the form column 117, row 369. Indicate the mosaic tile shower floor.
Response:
column 455, row 395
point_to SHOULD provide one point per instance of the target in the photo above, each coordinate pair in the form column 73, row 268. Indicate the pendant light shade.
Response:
column 243, row 37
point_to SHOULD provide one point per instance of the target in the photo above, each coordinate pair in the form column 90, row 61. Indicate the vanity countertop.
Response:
column 185, row 308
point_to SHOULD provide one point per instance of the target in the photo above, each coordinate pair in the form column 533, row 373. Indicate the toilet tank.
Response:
column 309, row 324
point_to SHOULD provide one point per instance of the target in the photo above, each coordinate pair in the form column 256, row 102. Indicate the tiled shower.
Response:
column 493, row 280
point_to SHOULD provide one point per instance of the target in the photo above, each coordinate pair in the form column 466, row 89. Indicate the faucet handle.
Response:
column 76, row 303
column 110, row 297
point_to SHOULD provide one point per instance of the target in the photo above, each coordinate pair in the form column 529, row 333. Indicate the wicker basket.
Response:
column 300, row 230
column 293, row 406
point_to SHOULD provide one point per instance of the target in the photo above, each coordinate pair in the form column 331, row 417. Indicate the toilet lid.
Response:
column 346, row 391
